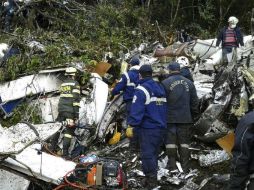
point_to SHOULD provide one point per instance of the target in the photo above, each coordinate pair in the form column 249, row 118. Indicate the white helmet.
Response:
column 70, row 71
column 183, row 61
column 233, row 21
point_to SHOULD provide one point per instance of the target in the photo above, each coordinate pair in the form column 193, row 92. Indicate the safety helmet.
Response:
column 183, row 61
column 233, row 21
column 70, row 71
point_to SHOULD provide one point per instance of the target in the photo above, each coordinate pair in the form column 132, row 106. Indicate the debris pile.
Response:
column 225, row 92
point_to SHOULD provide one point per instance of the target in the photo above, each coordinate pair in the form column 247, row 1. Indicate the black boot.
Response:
column 66, row 145
column 171, row 165
column 185, row 159
column 152, row 182
column 149, row 183
column 171, row 153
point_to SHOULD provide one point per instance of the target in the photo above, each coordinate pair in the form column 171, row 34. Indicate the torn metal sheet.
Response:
column 190, row 185
column 100, row 95
column 204, row 182
column 49, row 108
column 11, row 181
column 87, row 112
column 35, row 163
column 221, row 178
column 243, row 107
column 204, row 48
column 214, row 157
column 30, row 85
column 213, row 61
column 108, row 116
column 15, row 138
column 202, row 82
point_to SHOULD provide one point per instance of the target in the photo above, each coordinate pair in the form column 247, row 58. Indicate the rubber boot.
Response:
column 66, row 145
column 149, row 183
column 185, row 159
column 152, row 182
column 171, row 165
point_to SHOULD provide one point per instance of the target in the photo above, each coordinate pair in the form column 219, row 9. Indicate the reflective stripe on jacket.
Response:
column 127, row 83
column 149, row 108
column 69, row 97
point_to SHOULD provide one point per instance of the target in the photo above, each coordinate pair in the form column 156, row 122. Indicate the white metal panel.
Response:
column 43, row 166
column 10, row 181
column 29, row 85
column 15, row 138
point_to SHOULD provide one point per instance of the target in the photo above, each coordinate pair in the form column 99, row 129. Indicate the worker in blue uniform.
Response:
column 242, row 167
column 127, row 84
column 148, row 113
column 183, row 107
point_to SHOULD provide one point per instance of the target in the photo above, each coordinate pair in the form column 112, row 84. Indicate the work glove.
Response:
column 129, row 131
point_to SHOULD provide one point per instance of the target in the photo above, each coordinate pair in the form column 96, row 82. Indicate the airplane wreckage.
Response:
column 225, row 94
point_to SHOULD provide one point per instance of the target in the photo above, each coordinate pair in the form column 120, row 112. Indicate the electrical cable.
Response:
column 61, row 186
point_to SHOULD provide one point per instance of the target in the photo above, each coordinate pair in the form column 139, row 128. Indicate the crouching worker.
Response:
column 242, row 166
column 148, row 113
column 68, row 107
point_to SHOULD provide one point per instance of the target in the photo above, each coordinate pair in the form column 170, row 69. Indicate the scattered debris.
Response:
column 214, row 157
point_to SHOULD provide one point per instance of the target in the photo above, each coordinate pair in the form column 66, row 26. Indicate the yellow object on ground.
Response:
column 115, row 139
column 129, row 132
column 227, row 142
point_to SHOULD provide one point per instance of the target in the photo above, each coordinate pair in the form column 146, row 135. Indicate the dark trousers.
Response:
column 239, row 181
column 178, row 138
column 68, row 131
column 150, row 143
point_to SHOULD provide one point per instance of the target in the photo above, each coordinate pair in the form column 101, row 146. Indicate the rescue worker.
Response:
column 127, row 84
column 148, row 113
column 230, row 38
column 184, row 67
column 242, row 164
column 182, row 104
column 68, row 107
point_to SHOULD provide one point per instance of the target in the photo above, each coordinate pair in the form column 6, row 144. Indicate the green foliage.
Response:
column 23, row 112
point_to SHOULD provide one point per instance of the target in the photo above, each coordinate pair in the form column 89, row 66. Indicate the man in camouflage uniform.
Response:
column 68, row 107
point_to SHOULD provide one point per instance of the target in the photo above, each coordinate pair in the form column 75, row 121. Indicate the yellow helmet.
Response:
column 70, row 71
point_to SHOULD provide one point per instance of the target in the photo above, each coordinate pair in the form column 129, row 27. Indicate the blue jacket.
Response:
column 127, row 84
column 182, row 99
column 149, row 107
column 186, row 73
column 222, row 35
column 243, row 153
